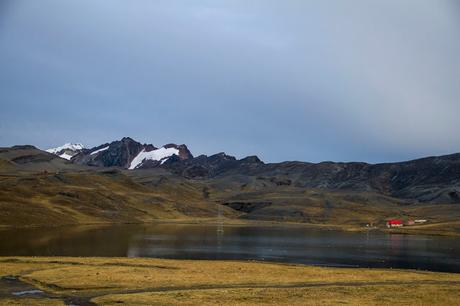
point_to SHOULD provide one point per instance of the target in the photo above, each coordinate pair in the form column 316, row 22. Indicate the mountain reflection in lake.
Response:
column 281, row 244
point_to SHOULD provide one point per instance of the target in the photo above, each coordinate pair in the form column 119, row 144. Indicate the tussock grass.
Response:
column 109, row 281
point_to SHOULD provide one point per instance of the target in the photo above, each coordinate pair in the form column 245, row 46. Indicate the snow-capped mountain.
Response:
column 67, row 151
column 130, row 154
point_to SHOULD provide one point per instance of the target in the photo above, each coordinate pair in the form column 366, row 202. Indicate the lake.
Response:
column 273, row 243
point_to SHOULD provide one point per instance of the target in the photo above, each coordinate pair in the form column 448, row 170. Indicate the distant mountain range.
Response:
column 431, row 179
column 127, row 181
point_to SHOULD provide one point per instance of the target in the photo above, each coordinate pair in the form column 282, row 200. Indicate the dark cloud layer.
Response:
column 287, row 80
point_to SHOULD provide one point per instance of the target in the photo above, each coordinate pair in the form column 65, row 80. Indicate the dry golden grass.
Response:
column 32, row 301
column 43, row 199
column 328, row 295
column 108, row 281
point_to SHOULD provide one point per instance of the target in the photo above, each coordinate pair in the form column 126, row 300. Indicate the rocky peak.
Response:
column 251, row 160
column 184, row 152
column 130, row 154
column 221, row 157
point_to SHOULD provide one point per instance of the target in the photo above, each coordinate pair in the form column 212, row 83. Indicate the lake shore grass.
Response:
column 142, row 281
column 435, row 229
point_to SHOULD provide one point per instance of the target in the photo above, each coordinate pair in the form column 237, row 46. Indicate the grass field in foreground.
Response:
column 110, row 281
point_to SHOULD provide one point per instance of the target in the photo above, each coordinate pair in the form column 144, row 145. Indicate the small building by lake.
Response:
column 395, row 223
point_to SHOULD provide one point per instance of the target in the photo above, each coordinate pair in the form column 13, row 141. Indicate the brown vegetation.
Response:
column 187, row 282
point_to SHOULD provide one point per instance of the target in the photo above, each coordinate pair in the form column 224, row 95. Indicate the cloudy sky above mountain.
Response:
column 286, row 80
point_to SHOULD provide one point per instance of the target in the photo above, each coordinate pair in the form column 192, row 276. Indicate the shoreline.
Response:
column 408, row 230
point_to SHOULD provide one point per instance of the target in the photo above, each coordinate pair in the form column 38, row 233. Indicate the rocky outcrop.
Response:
column 115, row 154
column 210, row 166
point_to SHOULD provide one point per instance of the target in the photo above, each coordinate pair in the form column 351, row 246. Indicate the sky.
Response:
column 357, row 80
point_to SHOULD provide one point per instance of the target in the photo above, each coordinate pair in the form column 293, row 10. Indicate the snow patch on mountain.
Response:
column 65, row 156
column 67, row 146
column 67, row 150
column 100, row 150
column 157, row 154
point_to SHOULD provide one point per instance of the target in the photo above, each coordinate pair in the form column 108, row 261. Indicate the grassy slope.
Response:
column 94, row 197
column 187, row 282
column 88, row 197
column 37, row 188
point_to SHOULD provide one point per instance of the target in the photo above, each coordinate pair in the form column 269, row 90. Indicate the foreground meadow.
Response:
column 110, row 281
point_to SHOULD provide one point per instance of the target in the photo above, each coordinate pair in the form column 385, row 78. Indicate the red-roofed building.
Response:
column 395, row 223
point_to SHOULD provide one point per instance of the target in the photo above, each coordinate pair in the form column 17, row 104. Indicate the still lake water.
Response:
column 280, row 244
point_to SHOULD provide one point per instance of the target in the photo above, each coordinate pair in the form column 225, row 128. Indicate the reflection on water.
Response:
column 283, row 244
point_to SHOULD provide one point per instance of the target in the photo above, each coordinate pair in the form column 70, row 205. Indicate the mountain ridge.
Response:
column 428, row 179
column 37, row 187
column 93, row 149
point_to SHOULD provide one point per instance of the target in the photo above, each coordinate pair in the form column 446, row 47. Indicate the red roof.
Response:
column 394, row 221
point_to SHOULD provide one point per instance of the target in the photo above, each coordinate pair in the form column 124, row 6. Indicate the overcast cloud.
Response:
column 286, row 80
